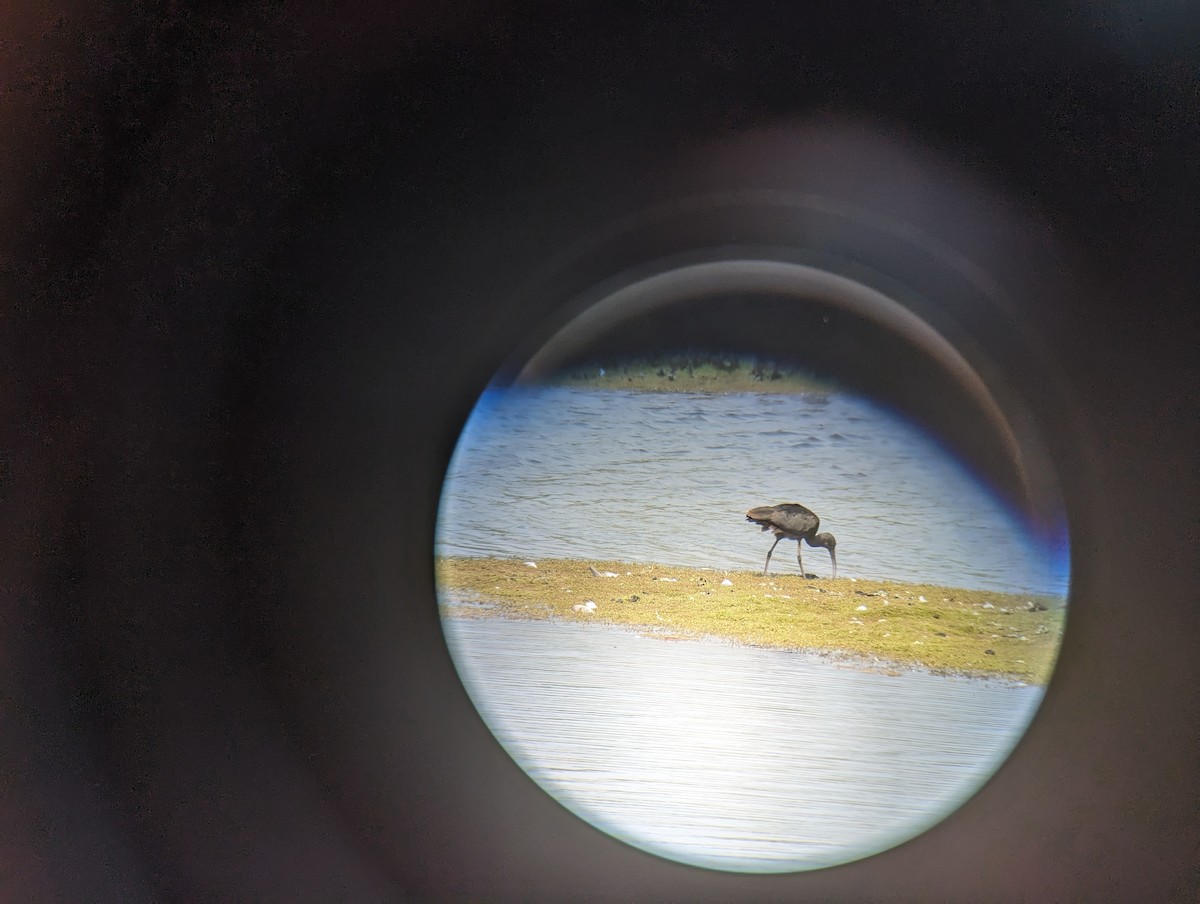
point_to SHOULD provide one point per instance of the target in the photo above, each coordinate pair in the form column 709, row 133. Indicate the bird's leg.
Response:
column 799, row 561
column 769, row 551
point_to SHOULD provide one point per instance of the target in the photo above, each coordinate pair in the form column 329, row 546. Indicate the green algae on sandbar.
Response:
column 944, row 629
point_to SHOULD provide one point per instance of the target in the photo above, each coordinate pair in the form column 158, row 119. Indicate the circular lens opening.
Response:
column 748, row 567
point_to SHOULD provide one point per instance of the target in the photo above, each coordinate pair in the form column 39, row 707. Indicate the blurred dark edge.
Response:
column 251, row 265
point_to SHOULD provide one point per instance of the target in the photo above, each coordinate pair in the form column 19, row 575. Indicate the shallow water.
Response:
column 728, row 756
column 655, row 477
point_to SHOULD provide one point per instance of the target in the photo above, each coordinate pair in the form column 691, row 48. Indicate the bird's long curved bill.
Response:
column 833, row 559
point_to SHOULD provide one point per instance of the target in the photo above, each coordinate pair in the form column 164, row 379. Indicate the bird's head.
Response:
column 829, row 543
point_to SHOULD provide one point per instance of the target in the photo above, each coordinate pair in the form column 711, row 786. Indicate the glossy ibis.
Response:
column 792, row 521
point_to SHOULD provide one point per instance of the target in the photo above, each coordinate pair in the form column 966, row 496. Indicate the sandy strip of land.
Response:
column 943, row 629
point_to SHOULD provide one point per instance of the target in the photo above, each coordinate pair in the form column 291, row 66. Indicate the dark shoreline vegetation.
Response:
column 690, row 373
column 885, row 625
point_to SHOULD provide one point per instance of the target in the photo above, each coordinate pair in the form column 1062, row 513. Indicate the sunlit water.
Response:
column 707, row 752
column 733, row 757
column 667, row 478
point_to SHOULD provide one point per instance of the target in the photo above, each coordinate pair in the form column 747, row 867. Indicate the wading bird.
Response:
column 792, row 521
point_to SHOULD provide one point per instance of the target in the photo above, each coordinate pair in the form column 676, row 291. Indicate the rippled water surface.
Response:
column 732, row 757
column 667, row 478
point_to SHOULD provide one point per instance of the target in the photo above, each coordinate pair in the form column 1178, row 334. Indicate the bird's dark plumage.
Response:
column 792, row 521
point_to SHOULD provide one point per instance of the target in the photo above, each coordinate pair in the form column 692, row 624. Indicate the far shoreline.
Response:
column 712, row 375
